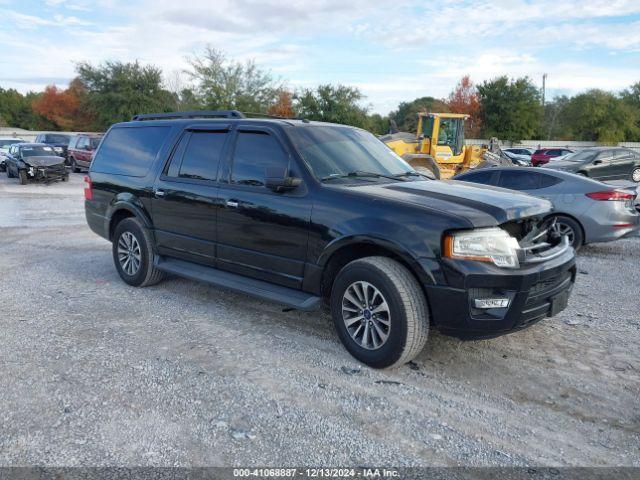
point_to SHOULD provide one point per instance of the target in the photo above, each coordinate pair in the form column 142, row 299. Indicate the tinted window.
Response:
column 256, row 151
column 519, row 180
column 202, row 155
column 548, row 180
column 129, row 150
column 57, row 139
column 606, row 155
column 479, row 177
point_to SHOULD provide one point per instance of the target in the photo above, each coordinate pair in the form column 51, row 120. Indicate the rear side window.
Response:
column 548, row 180
column 254, row 153
column 129, row 150
column 516, row 180
column 479, row 177
column 202, row 155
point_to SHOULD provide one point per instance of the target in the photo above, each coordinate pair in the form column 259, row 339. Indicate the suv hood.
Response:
column 481, row 205
column 43, row 161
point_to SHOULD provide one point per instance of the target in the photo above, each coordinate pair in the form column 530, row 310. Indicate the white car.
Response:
column 5, row 143
column 519, row 153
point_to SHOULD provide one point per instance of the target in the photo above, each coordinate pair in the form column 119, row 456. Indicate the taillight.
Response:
column 611, row 195
column 88, row 188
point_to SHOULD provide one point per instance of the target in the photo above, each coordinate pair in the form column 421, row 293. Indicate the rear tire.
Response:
column 391, row 304
column 568, row 226
column 132, row 241
column 22, row 174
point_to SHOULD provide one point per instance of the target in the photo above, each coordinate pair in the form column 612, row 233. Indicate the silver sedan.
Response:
column 586, row 210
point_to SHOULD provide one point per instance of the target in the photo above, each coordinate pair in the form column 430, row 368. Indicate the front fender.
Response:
column 414, row 249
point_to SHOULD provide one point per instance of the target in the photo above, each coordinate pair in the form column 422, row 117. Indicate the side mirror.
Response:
column 597, row 162
column 278, row 180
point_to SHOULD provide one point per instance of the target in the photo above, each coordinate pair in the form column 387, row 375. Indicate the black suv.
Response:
column 303, row 212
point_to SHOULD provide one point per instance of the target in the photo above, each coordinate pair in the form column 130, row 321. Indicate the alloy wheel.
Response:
column 562, row 229
column 636, row 175
column 129, row 253
column 366, row 315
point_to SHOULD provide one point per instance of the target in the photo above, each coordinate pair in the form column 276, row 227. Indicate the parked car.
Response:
column 543, row 155
column 81, row 150
column 516, row 159
column 602, row 163
column 521, row 156
column 35, row 162
column 59, row 142
column 585, row 210
column 5, row 143
column 303, row 212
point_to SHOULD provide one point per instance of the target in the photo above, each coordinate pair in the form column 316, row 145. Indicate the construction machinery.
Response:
column 438, row 148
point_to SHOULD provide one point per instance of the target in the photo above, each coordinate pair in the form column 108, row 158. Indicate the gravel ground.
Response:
column 95, row 373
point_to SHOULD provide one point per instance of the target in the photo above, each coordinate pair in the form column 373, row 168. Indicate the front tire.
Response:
column 635, row 175
column 380, row 312
column 74, row 166
column 133, row 254
column 22, row 174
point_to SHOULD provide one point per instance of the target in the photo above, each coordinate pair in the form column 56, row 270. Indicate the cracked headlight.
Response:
column 484, row 245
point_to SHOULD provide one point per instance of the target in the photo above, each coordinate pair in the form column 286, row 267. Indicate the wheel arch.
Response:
column 122, row 209
column 346, row 250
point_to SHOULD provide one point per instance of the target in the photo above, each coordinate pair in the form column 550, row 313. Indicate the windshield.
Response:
column 58, row 139
column 334, row 151
column 583, row 156
column 37, row 151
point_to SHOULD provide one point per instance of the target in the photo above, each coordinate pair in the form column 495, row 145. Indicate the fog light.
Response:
column 485, row 303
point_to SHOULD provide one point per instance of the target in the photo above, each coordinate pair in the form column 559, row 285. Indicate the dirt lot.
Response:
column 94, row 372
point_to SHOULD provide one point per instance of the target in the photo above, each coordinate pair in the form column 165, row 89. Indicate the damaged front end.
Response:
column 46, row 169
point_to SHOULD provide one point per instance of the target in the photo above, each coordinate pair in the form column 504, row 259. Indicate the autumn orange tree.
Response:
column 464, row 99
column 64, row 108
column 283, row 106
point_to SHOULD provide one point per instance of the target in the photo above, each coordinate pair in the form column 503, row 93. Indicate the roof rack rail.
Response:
column 192, row 114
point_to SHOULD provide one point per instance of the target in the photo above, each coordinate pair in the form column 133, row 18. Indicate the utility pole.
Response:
column 544, row 83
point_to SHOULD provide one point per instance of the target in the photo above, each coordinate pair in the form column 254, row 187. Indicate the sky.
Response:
column 392, row 50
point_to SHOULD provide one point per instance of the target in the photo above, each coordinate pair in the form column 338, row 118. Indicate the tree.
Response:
column 332, row 103
column 225, row 84
column 16, row 111
column 283, row 106
column 600, row 116
column 511, row 109
column 378, row 124
column 64, row 108
column 117, row 91
column 464, row 99
column 406, row 117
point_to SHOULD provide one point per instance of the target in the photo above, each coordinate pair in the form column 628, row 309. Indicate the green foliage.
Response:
column 117, row 91
column 332, row 103
column 511, row 109
column 377, row 124
column 16, row 111
column 224, row 84
column 406, row 117
column 599, row 116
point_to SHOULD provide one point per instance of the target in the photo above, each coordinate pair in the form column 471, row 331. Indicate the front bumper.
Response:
column 534, row 292
column 47, row 174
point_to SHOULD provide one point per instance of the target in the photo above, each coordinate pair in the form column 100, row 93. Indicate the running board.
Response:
column 293, row 298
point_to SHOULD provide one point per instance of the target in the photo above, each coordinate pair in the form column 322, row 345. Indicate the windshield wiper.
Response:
column 360, row 174
column 413, row 173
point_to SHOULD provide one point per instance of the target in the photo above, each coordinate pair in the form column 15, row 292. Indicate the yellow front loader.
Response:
column 438, row 145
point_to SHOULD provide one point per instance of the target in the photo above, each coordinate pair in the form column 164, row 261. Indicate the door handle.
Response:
column 159, row 193
column 232, row 203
